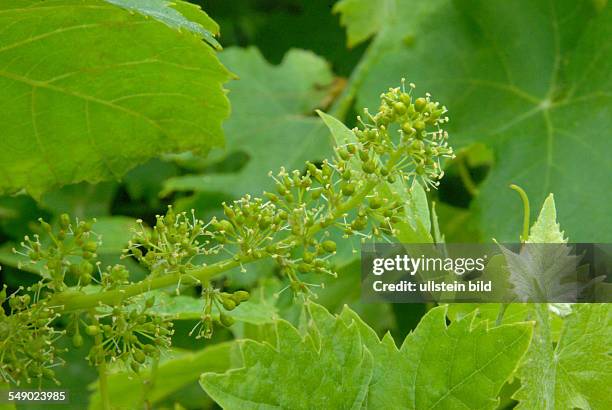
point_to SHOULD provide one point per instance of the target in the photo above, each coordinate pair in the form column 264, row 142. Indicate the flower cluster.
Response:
column 420, row 140
column 172, row 244
column 71, row 250
column 126, row 334
column 27, row 349
column 353, row 194
column 223, row 302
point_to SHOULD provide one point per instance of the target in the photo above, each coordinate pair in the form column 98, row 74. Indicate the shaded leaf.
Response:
column 540, row 97
column 169, row 12
column 177, row 371
column 271, row 120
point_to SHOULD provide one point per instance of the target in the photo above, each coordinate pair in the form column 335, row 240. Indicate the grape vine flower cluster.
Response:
column 354, row 194
column 126, row 334
column 27, row 338
column 71, row 250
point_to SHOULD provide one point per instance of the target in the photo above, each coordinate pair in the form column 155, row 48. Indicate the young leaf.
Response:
column 546, row 229
column 90, row 90
column 271, row 120
column 328, row 368
column 363, row 19
column 461, row 365
column 549, row 268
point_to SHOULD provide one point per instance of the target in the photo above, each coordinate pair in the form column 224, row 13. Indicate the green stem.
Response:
column 70, row 301
column 526, row 211
column 103, row 384
column 500, row 314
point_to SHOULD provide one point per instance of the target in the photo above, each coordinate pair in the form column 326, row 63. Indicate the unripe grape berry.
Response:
column 64, row 221
column 92, row 330
column 228, row 304
column 369, row 167
column 329, row 246
column 135, row 367
column 90, row 246
column 308, row 257
column 399, row 108
column 139, row 356
column 77, row 340
column 304, row 267
column 241, row 295
column 344, row 154
column 348, row 189
column 375, row 202
column 420, row 104
column 226, row 320
column 150, row 302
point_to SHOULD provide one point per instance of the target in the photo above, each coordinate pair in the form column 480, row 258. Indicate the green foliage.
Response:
column 177, row 371
column 93, row 88
column 341, row 363
column 527, row 78
column 119, row 86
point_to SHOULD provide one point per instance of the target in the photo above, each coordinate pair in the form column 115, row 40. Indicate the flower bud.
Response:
column 329, row 246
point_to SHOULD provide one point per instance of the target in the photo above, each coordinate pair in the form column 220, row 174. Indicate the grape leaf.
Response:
column 364, row 18
column 528, row 78
column 332, row 370
column 271, row 120
column 462, row 365
column 89, row 90
column 577, row 372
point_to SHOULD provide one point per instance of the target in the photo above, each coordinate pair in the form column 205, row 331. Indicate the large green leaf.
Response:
column 90, row 89
column 463, row 365
column 528, row 78
column 272, row 121
column 328, row 368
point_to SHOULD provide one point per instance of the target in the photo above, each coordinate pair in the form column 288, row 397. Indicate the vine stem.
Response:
column 71, row 301
column 103, row 384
